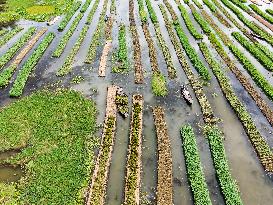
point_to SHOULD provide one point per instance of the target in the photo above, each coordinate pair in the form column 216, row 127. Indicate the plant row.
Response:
column 266, row 110
column 61, row 46
column 255, row 51
column 6, row 75
column 257, row 10
column 258, row 78
column 85, row 6
column 29, row 65
column 198, row 4
column 5, row 38
column 96, row 36
column 194, row 167
column 68, row 63
column 260, row 145
column 190, row 51
column 139, row 77
column 69, row 15
column 164, row 163
column 151, row 12
column 228, row 15
column 205, row 27
column 195, row 83
column 97, row 191
column 4, row 59
column 3, row 31
column 142, row 13
column 228, row 185
column 163, row 46
column 122, row 53
column 192, row 54
column 264, row 49
column 188, row 22
column 132, row 182
column 92, row 12
column 270, row 11
column 251, row 25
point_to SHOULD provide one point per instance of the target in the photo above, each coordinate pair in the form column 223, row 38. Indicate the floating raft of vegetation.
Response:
column 133, row 168
column 97, row 190
column 103, row 58
column 165, row 166
column 139, row 78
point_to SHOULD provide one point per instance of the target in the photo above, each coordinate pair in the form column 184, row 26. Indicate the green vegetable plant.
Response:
column 194, row 167
column 151, row 12
column 204, row 25
column 4, row 59
column 69, row 15
column 142, row 12
column 188, row 22
column 64, row 40
column 198, row 4
column 67, row 66
column 269, row 11
column 3, row 32
column 210, row 5
column 29, row 66
column 5, row 38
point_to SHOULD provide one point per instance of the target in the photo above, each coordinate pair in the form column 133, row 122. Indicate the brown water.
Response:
column 255, row 185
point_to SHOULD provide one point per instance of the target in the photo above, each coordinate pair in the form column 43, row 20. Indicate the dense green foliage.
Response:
column 61, row 46
column 228, row 185
column 33, row 10
column 92, row 12
column 55, row 132
column 68, row 63
column 188, row 22
column 3, row 31
column 254, row 50
column 191, row 53
column 29, row 65
column 159, row 87
column 69, row 15
column 194, row 167
column 257, row 10
column 258, row 78
column 5, row 38
column 4, row 59
column 6, row 75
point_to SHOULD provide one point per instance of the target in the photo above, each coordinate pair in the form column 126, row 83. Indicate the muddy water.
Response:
column 255, row 185
column 10, row 173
